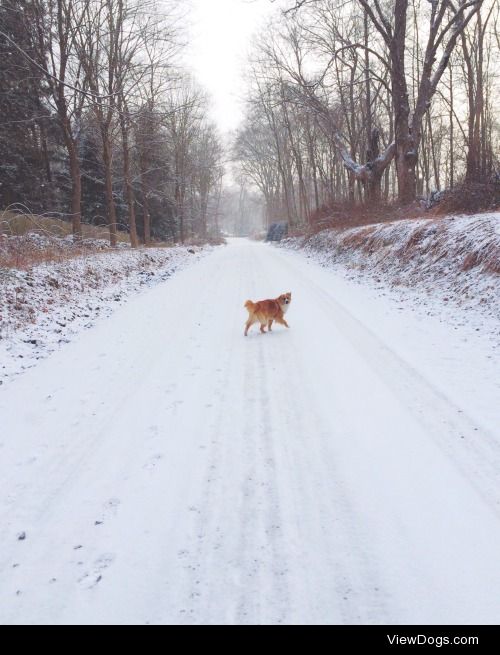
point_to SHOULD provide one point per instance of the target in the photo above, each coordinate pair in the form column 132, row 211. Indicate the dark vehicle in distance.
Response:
column 277, row 231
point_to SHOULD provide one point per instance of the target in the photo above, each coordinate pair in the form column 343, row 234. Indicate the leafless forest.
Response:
column 99, row 123
column 374, row 102
column 349, row 104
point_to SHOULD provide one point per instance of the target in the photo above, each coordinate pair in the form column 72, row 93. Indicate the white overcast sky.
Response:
column 220, row 38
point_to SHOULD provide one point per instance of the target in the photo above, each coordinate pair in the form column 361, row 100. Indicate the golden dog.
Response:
column 267, row 311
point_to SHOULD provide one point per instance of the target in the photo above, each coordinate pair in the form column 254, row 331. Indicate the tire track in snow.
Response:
column 474, row 450
column 211, row 553
column 265, row 546
column 347, row 586
column 249, row 560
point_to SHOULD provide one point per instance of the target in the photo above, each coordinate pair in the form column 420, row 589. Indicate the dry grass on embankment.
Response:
column 19, row 224
column 470, row 199
column 27, row 240
column 457, row 243
column 457, row 256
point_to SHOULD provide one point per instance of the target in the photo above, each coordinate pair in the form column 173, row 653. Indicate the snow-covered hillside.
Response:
column 453, row 259
column 46, row 306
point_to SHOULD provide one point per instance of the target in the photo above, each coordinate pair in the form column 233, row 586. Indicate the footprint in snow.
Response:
column 153, row 461
column 110, row 508
column 91, row 579
column 112, row 504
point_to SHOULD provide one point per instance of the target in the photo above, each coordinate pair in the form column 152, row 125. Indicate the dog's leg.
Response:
column 270, row 325
column 263, row 328
column 282, row 321
column 248, row 325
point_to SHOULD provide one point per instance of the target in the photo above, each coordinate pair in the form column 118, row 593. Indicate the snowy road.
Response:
column 164, row 469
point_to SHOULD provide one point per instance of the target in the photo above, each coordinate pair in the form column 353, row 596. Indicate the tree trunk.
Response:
column 76, row 199
column 76, row 188
column 108, row 185
column 406, row 150
column 134, row 242
column 74, row 170
column 433, row 153
column 179, row 202
column 146, row 217
column 373, row 185
column 452, row 136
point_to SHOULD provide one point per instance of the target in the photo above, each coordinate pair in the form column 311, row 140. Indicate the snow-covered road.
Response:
column 164, row 469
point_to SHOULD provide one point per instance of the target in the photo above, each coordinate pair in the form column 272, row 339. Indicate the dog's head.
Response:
column 285, row 298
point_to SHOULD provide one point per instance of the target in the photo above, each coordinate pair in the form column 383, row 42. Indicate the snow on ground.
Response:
column 162, row 468
column 47, row 306
column 429, row 262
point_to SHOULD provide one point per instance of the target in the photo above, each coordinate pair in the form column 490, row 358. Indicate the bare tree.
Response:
column 56, row 27
column 325, row 22
column 479, row 159
column 446, row 22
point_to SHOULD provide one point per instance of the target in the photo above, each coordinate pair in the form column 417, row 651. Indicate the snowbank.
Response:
column 455, row 259
column 33, row 248
column 45, row 306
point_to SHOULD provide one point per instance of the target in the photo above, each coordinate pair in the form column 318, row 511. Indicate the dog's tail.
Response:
column 249, row 305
